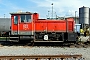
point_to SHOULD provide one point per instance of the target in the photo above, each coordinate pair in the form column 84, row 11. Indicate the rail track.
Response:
column 42, row 57
column 78, row 45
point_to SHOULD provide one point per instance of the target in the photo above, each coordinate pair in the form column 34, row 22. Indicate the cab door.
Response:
column 15, row 25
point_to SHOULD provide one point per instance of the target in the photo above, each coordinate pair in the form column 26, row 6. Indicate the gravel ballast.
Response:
column 22, row 50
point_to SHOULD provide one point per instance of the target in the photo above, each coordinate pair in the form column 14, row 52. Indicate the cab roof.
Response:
column 15, row 13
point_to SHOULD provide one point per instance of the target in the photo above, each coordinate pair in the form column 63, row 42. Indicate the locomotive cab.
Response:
column 21, row 26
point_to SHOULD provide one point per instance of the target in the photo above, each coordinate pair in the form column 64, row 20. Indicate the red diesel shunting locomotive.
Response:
column 26, row 25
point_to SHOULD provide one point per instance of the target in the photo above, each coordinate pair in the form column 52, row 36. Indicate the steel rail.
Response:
column 36, row 57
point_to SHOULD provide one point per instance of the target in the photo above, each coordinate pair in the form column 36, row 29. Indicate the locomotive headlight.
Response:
column 45, row 37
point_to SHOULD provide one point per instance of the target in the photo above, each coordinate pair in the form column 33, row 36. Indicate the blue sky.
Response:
column 61, row 7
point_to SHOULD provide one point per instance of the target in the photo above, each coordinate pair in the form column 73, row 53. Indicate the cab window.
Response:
column 25, row 18
column 15, row 19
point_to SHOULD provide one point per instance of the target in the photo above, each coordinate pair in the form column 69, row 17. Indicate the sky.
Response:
column 61, row 8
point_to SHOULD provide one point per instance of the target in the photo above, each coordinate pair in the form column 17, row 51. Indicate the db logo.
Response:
column 25, row 26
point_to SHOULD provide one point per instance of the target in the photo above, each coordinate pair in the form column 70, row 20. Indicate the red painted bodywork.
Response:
column 54, row 25
column 41, row 25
